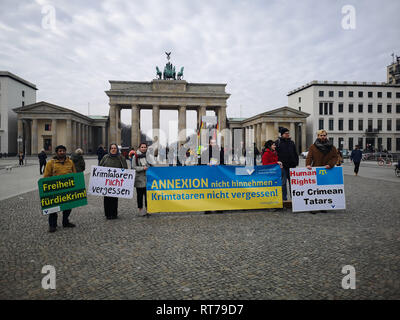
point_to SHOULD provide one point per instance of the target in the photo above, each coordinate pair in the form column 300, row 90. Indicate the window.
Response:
column 326, row 108
column 380, row 124
column 350, row 94
column 341, row 94
column 299, row 99
column 389, row 144
column 388, row 95
column 330, row 93
column 23, row 93
column 370, row 95
column 389, row 108
column 299, row 108
column 340, row 143
column 360, row 142
column 397, row 95
column 350, row 143
column 351, row 124
column 379, row 94
column 47, row 127
column 340, row 107
column 380, row 146
column 398, row 144
column 389, row 125
column 331, row 140
column 397, row 124
column 397, row 108
column 360, row 107
column 321, row 124
column 360, row 94
column 340, row 124
column 379, row 108
column 321, row 93
column 351, row 107
column 321, row 108
column 370, row 125
column 370, row 108
column 23, row 103
column 360, row 124
column 330, row 107
column 331, row 125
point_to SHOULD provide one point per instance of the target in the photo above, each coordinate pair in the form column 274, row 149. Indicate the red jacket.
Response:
column 269, row 157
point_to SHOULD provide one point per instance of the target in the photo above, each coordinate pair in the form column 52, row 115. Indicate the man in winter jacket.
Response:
column 42, row 160
column 287, row 154
column 58, row 166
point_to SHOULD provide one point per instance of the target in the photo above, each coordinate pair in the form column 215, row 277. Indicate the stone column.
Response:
column 20, row 135
column 276, row 130
column 156, row 121
column 201, row 111
column 256, row 134
column 181, row 124
column 69, row 136
column 90, row 138
column 74, row 129
column 118, row 120
column 263, row 134
column 135, row 132
column 293, row 132
column 27, row 135
column 79, row 139
column 54, row 141
column 34, row 136
column 303, row 136
column 222, row 121
column 103, row 137
column 113, row 124
column 259, row 136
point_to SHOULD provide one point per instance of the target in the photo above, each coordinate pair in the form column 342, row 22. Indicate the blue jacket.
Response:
column 356, row 155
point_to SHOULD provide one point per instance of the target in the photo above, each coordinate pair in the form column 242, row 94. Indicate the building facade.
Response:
column 44, row 126
column 353, row 113
column 14, row 92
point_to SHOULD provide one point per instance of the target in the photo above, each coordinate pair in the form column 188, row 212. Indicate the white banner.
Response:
column 111, row 182
column 317, row 189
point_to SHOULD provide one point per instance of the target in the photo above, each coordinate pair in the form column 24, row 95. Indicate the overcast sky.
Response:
column 260, row 49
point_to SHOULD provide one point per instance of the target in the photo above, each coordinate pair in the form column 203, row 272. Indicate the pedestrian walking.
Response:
column 100, row 153
column 113, row 160
column 288, row 156
column 141, row 165
column 42, row 160
column 321, row 154
column 21, row 158
column 59, row 165
column 77, row 158
column 356, row 156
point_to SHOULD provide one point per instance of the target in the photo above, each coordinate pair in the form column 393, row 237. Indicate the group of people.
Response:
column 62, row 164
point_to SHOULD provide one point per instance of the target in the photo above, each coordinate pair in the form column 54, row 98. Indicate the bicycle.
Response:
column 382, row 161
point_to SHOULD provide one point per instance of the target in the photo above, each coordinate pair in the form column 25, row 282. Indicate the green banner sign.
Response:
column 61, row 193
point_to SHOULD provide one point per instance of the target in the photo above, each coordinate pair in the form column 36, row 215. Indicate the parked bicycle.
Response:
column 383, row 161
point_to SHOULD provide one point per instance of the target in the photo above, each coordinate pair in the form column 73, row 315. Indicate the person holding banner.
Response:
column 141, row 165
column 270, row 156
column 287, row 154
column 113, row 160
column 321, row 154
column 59, row 165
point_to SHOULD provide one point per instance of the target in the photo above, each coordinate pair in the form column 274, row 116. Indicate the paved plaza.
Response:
column 254, row 254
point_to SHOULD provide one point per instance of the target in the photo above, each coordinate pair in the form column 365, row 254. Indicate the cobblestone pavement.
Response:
column 234, row 255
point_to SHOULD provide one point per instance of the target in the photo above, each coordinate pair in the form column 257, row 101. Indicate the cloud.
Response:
column 261, row 49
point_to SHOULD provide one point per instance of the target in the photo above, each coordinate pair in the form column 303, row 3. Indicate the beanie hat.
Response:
column 61, row 147
column 282, row 130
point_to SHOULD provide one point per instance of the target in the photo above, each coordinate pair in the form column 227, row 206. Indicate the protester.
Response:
column 42, row 160
column 356, row 156
column 270, row 155
column 288, row 156
column 321, row 154
column 77, row 158
column 141, row 165
column 256, row 153
column 112, row 160
column 100, row 153
column 59, row 165
column 21, row 158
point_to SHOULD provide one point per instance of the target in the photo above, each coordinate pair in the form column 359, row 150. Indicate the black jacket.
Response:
column 42, row 157
column 287, row 153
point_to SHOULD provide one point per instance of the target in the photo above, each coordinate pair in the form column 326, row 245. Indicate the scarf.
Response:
column 141, row 159
column 324, row 147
